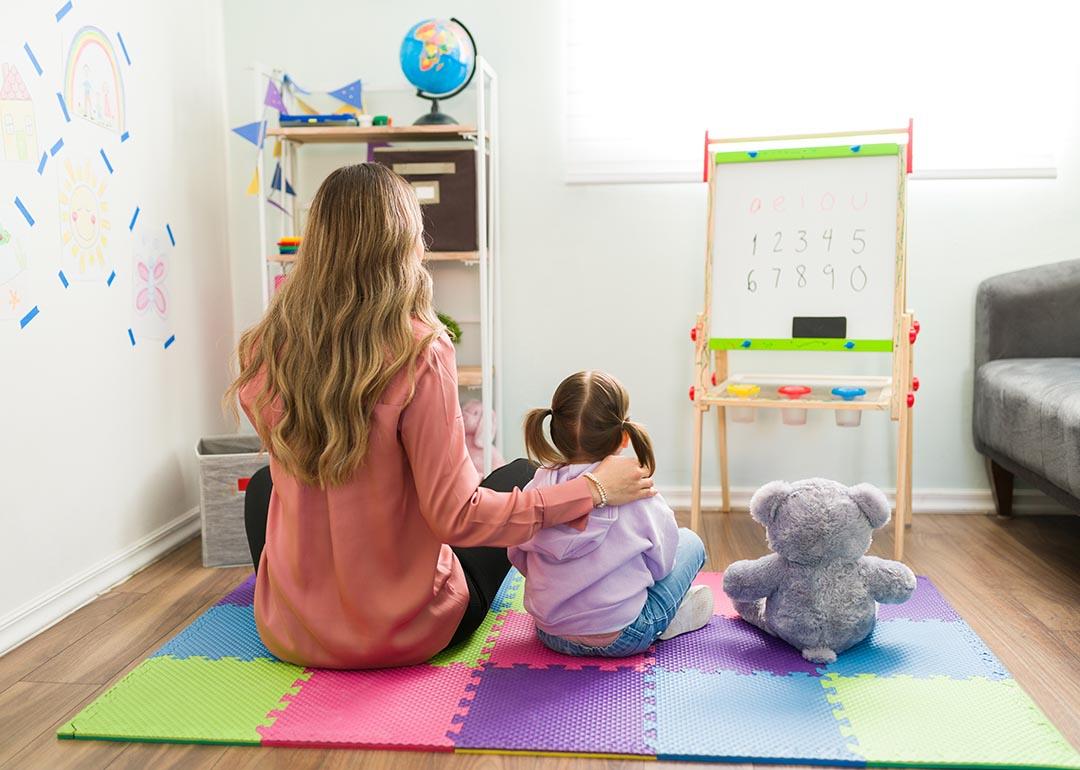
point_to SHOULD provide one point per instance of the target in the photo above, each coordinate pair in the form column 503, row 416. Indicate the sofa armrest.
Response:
column 1033, row 313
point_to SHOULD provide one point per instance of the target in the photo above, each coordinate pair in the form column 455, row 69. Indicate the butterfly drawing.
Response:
column 152, row 294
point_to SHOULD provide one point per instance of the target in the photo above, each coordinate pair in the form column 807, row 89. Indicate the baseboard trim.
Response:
column 1025, row 501
column 51, row 607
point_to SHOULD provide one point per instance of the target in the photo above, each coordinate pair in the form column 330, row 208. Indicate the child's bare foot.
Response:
column 694, row 612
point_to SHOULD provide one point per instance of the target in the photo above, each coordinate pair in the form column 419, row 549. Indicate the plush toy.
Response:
column 818, row 591
column 471, row 413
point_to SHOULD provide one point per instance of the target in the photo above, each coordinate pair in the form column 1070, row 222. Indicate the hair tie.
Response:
column 548, row 412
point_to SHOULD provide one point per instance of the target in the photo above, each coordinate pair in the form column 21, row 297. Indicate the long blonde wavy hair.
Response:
column 340, row 327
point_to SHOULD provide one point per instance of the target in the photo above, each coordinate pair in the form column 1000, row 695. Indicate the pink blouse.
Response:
column 360, row 575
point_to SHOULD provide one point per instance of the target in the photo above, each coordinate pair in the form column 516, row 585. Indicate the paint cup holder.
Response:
column 849, row 418
column 792, row 415
column 742, row 390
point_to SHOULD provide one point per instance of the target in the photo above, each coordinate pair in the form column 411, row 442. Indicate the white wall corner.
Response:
column 1025, row 501
column 54, row 605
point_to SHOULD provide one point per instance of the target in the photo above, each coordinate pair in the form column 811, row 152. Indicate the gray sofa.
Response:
column 1026, row 418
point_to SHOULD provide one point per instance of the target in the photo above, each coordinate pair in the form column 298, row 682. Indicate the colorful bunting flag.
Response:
column 273, row 98
column 305, row 107
column 275, row 184
column 288, row 82
column 277, row 148
column 253, row 188
column 349, row 94
column 253, row 132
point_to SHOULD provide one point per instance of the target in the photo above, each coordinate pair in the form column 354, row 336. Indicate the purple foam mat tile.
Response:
column 731, row 644
column 517, row 644
column 243, row 595
column 585, row 711
column 926, row 603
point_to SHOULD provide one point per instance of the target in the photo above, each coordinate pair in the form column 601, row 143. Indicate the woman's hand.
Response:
column 624, row 481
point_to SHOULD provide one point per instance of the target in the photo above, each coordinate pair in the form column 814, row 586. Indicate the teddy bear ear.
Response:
column 766, row 501
column 872, row 502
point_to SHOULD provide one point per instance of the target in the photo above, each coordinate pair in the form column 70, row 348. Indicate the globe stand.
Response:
column 434, row 117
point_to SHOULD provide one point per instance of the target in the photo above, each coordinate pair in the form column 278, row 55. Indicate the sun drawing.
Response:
column 84, row 216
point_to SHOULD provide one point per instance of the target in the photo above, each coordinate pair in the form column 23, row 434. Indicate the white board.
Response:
column 800, row 244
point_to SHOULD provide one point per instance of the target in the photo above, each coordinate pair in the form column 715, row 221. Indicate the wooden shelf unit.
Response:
column 878, row 392
column 482, row 137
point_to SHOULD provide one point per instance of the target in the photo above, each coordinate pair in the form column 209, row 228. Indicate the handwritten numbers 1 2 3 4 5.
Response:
column 799, row 242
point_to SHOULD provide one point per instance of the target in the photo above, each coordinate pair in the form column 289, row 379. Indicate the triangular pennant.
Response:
column 273, row 98
column 277, row 148
column 348, row 109
column 349, row 94
column 276, row 183
column 253, row 188
column 253, row 132
column 288, row 82
column 305, row 107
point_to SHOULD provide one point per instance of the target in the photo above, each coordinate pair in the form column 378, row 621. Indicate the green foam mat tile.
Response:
column 939, row 721
column 476, row 649
column 194, row 700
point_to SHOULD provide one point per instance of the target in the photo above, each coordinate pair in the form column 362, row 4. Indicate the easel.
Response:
column 894, row 393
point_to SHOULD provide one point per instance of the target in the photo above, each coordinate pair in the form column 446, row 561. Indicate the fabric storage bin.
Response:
column 226, row 464
column 445, row 185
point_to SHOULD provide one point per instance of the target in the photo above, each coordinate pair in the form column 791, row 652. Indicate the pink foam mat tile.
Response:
column 721, row 603
column 403, row 708
column 518, row 646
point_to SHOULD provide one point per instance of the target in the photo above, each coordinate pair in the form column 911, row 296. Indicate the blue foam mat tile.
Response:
column 921, row 649
column 513, row 584
column 733, row 717
column 223, row 631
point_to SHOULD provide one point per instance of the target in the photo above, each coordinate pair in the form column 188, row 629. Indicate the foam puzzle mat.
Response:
column 922, row 690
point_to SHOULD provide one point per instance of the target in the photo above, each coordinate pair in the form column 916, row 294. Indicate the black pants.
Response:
column 484, row 568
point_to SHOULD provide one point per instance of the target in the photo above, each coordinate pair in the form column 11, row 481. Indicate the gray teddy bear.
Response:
column 818, row 591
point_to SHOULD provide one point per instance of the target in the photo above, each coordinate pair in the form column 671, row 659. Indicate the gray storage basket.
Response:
column 225, row 465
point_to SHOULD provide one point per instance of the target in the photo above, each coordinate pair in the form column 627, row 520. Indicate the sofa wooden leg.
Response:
column 1001, row 485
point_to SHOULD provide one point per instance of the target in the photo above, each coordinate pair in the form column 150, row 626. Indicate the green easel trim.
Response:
column 808, row 153
column 804, row 343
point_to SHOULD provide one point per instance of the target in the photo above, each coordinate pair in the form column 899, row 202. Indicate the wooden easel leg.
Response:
column 903, row 471
column 695, row 483
column 721, row 445
column 908, row 517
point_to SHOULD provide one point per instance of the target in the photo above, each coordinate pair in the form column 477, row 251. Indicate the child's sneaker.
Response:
column 694, row 612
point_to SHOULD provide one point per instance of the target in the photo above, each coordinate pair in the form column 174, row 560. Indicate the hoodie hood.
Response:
column 561, row 542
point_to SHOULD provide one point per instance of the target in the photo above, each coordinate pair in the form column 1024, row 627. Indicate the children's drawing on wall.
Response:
column 151, row 303
column 84, row 222
column 93, row 87
column 17, row 116
column 15, row 304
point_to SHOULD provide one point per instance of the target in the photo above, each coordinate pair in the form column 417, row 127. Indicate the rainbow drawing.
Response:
column 93, row 88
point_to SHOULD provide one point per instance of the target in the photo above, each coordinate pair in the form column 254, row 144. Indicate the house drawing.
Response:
column 17, row 124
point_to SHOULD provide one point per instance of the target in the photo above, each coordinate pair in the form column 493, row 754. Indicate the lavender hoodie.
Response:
column 594, row 581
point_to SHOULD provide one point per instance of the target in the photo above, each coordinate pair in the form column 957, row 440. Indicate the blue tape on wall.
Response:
column 170, row 341
column 63, row 106
column 19, row 205
column 123, row 48
column 28, row 317
column 41, row 163
column 169, row 231
column 63, row 10
column 105, row 158
column 131, row 336
column 33, row 59
column 133, row 218
column 124, row 137
column 111, row 278
column 63, row 278
column 56, row 147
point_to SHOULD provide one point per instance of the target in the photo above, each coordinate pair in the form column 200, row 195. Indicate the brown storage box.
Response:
column 445, row 184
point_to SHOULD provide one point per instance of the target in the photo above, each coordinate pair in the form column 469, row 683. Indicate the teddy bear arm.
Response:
column 888, row 582
column 751, row 579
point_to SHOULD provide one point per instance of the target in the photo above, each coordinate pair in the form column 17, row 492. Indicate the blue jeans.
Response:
column 661, row 604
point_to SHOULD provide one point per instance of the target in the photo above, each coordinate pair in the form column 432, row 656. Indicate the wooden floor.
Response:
column 1017, row 582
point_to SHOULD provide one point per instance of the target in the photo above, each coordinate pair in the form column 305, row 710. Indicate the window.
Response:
column 991, row 86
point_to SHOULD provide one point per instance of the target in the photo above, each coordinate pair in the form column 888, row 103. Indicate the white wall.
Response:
column 97, row 437
column 611, row 276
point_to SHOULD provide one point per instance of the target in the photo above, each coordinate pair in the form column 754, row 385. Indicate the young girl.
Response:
column 623, row 582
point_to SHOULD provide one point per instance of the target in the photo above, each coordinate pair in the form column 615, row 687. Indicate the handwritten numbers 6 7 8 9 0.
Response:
column 857, row 277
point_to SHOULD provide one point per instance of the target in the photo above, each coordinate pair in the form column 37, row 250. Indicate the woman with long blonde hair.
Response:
column 374, row 540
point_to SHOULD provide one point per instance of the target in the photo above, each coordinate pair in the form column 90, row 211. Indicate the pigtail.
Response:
column 537, row 445
column 639, row 439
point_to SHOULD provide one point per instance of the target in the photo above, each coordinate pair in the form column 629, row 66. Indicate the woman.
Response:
column 374, row 545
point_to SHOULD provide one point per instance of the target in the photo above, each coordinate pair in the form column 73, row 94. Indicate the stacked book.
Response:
column 288, row 246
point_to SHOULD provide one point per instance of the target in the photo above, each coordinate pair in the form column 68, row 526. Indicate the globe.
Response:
column 438, row 56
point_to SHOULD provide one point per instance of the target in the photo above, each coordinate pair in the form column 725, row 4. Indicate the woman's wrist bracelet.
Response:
column 599, row 488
